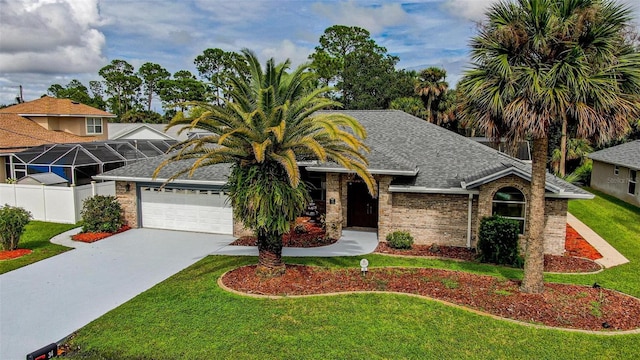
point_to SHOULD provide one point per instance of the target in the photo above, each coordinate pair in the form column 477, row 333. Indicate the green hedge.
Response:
column 498, row 241
column 13, row 221
column 101, row 214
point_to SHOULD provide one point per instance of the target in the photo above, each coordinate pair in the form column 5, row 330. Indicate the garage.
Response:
column 200, row 210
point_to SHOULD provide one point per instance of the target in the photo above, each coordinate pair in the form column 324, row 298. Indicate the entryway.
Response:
column 362, row 208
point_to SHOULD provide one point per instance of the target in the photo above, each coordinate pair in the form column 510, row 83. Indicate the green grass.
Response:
column 190, row 317
column 36, row 237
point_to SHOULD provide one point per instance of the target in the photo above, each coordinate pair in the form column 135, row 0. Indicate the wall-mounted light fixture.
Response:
column 332, row 201
column 127, row 187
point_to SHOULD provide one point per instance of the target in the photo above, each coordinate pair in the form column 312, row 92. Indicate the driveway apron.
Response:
column 46, row 301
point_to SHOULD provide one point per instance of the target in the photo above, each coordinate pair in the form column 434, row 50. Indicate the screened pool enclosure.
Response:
column 78, row 162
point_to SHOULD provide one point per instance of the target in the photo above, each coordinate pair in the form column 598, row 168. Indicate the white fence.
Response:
column 53, row 203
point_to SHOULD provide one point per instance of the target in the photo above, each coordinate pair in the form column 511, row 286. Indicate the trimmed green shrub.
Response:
column 101, row 214
column 400, row 240
column 498, row 241
column 12, row 224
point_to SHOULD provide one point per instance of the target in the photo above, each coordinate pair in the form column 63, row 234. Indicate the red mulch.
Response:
column 90, row 237
column 576, row 245
column 552, row 263
column 307, row 235
column 14, row 254
column 565, row 306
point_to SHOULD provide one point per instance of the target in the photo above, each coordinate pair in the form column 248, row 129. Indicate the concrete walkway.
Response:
column 610, row 256
column 46, row 301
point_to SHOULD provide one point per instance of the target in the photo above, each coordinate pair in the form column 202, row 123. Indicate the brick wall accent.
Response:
column 128, row 201
column 431, row 218
column 555, row 212
column 555, row 230
column 385, row 207
column 334, row 216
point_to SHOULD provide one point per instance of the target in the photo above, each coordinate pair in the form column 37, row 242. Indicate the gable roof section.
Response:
column 18, row 133
column 49, row 106
column 488, row 175
column 627, row 155
column 129, row 130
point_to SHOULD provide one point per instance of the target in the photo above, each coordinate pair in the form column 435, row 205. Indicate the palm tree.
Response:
column 575, row 149
column 538, row 62
column 268, row 123
column 431, row 87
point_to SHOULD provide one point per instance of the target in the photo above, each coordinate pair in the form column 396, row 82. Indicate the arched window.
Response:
column 510, row 203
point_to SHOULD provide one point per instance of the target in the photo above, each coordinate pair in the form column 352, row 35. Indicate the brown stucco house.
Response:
column 616, row 171
column 433, row 183
column 46, row 120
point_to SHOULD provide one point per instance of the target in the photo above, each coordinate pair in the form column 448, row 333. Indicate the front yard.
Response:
column 190, row 316
column 36, row 237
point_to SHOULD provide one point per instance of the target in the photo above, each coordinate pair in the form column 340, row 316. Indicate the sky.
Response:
column 44, row 42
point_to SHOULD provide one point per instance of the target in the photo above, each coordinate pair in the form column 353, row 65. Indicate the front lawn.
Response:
column 189, row 316
column 36, row 237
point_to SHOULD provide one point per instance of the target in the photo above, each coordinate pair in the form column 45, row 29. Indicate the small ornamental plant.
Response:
column 498, row 241
column 400, row 240
column 13, row 221
column 101, row 214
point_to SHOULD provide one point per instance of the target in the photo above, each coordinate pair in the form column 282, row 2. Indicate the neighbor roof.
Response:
column 48, row 178
column 49, row 106
column 627, row 155
column 18, row 133
column 424, row 156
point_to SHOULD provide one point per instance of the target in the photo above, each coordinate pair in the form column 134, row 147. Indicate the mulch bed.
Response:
column 576, row 245
column 90, row 237
column 564, row 306
column 552, row 263
column 305, row 234
column 14, row 254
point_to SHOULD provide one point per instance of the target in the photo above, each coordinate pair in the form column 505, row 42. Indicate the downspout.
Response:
column 469, row 216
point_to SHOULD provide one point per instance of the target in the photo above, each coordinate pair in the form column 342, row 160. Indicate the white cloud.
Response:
column 286, row 50
column 373, row 18
column 53, row 36
column 468, row 9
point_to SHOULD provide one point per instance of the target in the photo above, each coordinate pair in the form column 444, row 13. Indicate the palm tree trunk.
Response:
column 533, row 281
column 269, row 255
column 563, row 147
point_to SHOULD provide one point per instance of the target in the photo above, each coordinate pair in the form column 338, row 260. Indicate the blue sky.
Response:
column 43, row 42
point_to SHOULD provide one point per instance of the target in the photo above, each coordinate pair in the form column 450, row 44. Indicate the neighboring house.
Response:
column 49, row 179
column 137, row 131
column 616, row 171
column 47, row 121
column 433, row 183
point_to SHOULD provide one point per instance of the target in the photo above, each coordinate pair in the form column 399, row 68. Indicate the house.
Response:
column 616, row 171
column 433, row 183
column 46, row 121
column 138, row 131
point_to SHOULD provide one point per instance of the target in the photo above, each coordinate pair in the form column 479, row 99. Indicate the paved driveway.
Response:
column 46, row 301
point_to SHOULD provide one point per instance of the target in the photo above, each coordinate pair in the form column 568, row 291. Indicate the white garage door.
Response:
column 186, row 209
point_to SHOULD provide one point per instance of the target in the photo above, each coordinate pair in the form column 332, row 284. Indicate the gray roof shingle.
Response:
column 627, row 155
column 398, row 142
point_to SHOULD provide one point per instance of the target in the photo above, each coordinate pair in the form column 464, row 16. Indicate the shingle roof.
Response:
column 142, row 171
column 627, row 155
column 46, row 178
column 403, row 143
column 50, row 106
column 18, row 133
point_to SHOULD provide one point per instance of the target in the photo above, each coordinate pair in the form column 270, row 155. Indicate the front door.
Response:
column 362, row 209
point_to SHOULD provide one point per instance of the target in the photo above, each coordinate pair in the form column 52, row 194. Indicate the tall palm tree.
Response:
column 431, row 87
column 269, row 123
column 538, row 62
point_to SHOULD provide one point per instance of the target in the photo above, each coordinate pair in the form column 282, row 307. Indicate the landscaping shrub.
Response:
column 400, row 240
column 498, row 241
column 101, row 214
column 12, row 223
